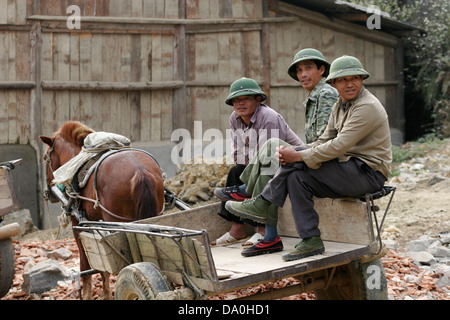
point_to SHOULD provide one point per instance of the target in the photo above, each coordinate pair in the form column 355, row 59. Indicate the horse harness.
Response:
column 86, row 171
column 80, row 180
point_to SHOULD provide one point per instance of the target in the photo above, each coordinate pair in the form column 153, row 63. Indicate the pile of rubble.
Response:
column 423, row 272
column 428, row 251
column 45, row 270
column 195, row 183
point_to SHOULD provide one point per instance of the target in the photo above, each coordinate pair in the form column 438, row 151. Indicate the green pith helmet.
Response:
column 244, row 87
column 346, row 66
column 307, row 54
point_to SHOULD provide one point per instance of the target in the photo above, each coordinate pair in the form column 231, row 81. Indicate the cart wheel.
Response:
column 140, row 281
column 366, row 281
column 7, row 266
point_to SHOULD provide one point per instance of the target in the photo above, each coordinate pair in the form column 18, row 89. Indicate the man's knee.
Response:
column 297, row 180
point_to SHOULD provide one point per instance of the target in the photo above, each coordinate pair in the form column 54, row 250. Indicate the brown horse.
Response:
column 129, row 187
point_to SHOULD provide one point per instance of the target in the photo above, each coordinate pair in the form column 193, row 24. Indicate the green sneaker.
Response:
column 307, row 247
column 254, row 209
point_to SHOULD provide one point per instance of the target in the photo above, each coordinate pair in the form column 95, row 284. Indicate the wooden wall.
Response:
column 143, row 68
column 15, row 73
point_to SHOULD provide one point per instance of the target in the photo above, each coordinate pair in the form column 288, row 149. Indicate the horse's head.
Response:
column 65, row 145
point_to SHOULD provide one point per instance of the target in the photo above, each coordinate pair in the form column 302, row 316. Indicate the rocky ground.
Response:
column 416, row 231
column 417, row 227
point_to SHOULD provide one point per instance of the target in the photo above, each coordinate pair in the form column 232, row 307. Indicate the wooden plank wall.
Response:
column 143, row 68
column 108, row 58
column 15, row 70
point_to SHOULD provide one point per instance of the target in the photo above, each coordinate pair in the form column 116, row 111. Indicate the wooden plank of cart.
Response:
column 170, row 257
column 8, row 204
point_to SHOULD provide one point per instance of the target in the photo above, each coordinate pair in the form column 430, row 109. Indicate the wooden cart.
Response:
column 8, row 204
column 170, row 257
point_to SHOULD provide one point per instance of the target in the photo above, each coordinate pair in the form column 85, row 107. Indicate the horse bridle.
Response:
column 48, row 161
column 48, row 155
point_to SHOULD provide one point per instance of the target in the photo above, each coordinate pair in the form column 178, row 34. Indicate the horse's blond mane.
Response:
column 74, row 132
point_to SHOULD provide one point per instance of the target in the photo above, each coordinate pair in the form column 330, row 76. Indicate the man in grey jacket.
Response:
column 352, row 157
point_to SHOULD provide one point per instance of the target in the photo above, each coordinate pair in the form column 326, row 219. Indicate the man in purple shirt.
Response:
column 252, row 123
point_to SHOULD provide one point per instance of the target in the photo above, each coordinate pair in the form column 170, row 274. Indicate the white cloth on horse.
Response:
column 94, row 143
column 105, row 141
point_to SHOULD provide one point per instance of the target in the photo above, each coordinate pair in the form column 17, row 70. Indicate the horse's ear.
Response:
column 46, row 140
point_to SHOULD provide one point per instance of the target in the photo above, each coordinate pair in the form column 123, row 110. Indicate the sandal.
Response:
column 226, row 239
column 253, row 240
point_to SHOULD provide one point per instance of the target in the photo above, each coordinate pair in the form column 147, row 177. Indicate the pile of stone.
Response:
column 23, row 218
column 428, row 251
column 45, row 270
column 422, row 272
column 424, row 171
column 433, row 254
column 46, row 275
column 195, row 183
column 407, row 281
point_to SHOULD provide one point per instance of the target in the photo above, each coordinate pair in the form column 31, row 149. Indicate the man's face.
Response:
column 348, row 87
column 245, row 106
column 308, row 74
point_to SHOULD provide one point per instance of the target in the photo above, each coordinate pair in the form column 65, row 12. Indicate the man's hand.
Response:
column 287, row 154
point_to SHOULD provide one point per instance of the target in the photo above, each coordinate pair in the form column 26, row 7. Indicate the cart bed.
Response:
column 216, row 269
column 239, row 271
column 346, row 231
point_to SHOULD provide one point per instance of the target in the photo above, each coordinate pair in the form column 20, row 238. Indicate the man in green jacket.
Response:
column 352, row 157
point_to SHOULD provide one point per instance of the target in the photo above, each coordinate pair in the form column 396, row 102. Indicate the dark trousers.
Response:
column 233, row 180
column 333, row 179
